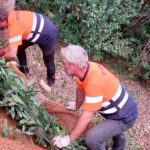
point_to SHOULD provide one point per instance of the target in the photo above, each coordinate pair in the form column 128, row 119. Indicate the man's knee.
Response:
column 91, row 139
column 54, row 36
column 88, row 140
column 48, row 51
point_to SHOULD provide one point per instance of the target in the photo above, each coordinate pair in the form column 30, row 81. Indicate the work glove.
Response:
column 71, row 105
column 60, row 141
column 2, row 52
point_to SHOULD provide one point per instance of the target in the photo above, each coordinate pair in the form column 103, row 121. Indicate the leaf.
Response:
column 30, row 83
column 12, row 104
column 18, row 131
column 2, row 63
column 31, row 129
column 29, row 133
column 26, row 116
column 23, row 128
column 35, row 111
column 46, row 127
column 58, row 130
column 19, row 113
column 20, row 83
column 23, row 121
column 36, row 101
column 46, row 117
column 5, row 129
column 31, row 122
column 38, row 122
column 17, row 99
column 10, row 73
column 12, row 113
column 1, row 104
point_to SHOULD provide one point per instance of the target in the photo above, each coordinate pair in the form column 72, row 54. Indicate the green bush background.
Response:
column 107, row 29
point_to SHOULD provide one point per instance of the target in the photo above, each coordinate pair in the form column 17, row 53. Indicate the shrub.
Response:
column 34, row 5
column 118, row 28
column 95, row 24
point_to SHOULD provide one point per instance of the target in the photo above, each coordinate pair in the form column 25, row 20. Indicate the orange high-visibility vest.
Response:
column 19, row 26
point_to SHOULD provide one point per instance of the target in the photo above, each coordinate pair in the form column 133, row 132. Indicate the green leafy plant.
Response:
column 20, row 102
column 5, row 129
column 117, row 28
column 32, row 5
column 97, row 25
column 139, row 34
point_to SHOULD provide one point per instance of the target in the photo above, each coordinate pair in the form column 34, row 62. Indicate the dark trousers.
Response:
column 96, row 137
column 48, row 55
column 46, row 42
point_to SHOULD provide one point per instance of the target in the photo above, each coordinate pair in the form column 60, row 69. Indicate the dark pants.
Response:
column 96, row 137
column 46, row 42
column 48, row 55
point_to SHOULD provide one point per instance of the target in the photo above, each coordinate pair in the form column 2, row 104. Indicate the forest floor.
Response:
column 64, row 91
column 138, row 137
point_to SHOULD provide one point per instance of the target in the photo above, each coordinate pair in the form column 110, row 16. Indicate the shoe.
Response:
column 24, row 69
column 119, row 142
column 50, row 81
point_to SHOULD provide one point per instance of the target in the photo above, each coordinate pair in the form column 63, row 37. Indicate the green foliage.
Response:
column 120, row 70
column 23, row 107
column 5, row 129
column 138, row 32
column 20, row 102
column 103, row 27
column 35, row 5
column 95, row 24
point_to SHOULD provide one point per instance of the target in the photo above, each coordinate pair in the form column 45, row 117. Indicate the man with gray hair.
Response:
column 72, row 53
column 98, row 90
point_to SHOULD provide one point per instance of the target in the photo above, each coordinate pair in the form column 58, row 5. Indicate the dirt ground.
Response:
column 14, row 141
column 138, row 138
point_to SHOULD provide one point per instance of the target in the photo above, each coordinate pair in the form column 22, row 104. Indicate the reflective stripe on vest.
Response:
column 117, row 102
column 35, row 33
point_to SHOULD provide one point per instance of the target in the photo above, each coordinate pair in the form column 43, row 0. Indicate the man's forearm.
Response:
column 81, row 125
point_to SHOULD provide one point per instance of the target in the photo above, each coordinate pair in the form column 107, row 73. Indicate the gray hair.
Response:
column 75, row 54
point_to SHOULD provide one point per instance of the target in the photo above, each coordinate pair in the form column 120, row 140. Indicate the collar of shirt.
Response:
column 85, row 74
